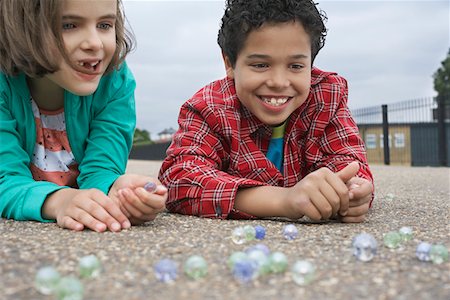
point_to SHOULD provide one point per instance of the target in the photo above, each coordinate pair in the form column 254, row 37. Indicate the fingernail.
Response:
column 115, row 226
column 161, row 188
column 126, row 224
column 100, row 227
column 353, row 186
column 150, row 187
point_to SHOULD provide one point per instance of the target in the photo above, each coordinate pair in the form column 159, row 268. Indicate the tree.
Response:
column 442, row 79
column 141, row 137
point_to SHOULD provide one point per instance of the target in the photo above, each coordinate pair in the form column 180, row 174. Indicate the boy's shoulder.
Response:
column 217, row 95
column 320, row 77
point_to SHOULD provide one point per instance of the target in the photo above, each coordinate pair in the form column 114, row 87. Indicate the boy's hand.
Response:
column 360, row 195
column 74, row 209
column 322, row 193
column 138, row 204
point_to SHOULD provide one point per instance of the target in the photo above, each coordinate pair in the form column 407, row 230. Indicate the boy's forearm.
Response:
column 262, row 201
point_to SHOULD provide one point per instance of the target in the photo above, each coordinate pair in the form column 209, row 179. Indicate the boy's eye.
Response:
column 297, row 66
column 66, row 26
column 260, row 66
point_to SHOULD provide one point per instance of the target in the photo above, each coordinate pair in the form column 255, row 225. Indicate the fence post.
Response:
column 442, row 141
column 387, row 158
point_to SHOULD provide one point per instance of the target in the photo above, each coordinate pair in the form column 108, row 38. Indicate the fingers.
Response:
column 94, row 210
column 349, row 171
column 357, row 219
column 360, row 188
column 356, row 214
column 326, row 191
column 309, row 209
column 70, row 223
column 106, row 211
column 140, row 203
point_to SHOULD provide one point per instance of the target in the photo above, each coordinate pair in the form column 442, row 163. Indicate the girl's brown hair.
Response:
column 31, row 39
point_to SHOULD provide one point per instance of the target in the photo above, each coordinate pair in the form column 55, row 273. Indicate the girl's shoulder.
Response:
column 117, row 81
column 13, row 86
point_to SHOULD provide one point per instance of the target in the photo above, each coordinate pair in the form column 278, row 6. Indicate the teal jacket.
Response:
column 99, row 127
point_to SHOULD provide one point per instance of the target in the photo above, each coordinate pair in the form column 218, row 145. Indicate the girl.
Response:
column 67, row 116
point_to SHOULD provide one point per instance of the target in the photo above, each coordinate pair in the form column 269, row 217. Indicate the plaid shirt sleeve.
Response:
column 192, row 170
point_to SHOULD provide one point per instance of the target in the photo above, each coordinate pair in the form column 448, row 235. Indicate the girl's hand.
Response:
column 138, row 204
column 76, row 209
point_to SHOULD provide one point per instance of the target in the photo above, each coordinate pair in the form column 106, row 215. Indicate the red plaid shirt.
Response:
column 221, row 147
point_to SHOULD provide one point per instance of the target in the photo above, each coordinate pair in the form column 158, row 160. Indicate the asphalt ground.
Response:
column 421, row 200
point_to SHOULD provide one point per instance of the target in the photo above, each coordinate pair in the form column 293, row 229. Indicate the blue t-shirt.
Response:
column 275, row 151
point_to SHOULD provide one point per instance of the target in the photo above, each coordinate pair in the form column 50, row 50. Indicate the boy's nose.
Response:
column 278, row 79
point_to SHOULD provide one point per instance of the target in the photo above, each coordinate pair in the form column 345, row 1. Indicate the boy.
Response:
column 275, row 138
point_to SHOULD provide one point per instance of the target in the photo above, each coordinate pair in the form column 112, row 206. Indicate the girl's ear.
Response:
column 228, row 67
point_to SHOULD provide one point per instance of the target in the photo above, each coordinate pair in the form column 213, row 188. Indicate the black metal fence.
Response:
column 414, row 132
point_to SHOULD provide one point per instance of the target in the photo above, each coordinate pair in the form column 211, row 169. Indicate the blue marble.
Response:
column 260, row 232
column 166, row 270
column 423, row 251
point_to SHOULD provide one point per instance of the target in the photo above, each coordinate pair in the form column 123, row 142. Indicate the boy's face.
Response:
column 273, row 71
column 89, row 34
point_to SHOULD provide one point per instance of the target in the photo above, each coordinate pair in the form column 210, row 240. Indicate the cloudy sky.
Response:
column 387, row 50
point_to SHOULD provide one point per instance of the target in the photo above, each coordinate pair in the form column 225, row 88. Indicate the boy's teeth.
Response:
column 275, row 101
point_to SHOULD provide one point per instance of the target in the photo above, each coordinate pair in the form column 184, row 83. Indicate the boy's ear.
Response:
column 228, row 67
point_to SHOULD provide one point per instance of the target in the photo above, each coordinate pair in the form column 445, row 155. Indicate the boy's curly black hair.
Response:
column 243, row 16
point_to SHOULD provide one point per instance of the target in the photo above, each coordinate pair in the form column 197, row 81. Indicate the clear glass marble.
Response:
column 278, row 262
column 364, row 247
column 238, row 236
column 250, row 233
column 89, row 266
column 46, row 280
column 389, row 196
column 406, row 233
column 423, row 251
column 290, row 232
column 392, row 239
column 69, row 288
column 303, row 272
column 166, row 270
column 260, row 232
column 438, row 254
column 196, row 267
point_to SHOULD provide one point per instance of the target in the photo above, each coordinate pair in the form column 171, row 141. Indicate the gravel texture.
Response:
column 421, row 200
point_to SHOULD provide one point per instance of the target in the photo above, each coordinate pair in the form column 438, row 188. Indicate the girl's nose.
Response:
column 92, row 41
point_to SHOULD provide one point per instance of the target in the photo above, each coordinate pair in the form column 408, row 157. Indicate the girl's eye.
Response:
column 104, row 26
column 67, row 26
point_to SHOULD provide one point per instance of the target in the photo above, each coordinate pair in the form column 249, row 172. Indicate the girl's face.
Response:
column 89, row 35
column 272, row 73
